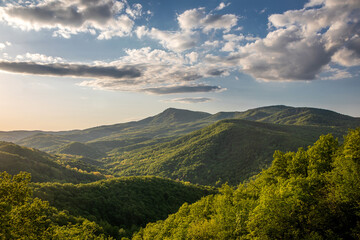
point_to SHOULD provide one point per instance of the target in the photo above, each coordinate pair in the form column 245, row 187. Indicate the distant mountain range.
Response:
column 181, row 144
column 167, row 125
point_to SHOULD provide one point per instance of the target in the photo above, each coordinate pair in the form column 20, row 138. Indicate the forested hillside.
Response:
column 43, row 167
column 227, row 151
column 24, row 217
column 309, row 194
column 121, row 205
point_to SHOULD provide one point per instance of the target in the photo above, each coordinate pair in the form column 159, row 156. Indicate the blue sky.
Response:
column 73, row 64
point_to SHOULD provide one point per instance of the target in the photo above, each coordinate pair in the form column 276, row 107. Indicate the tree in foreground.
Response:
column 24, row 217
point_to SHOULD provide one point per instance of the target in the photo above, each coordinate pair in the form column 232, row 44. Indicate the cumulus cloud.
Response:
column 190, row 100
column 300, row 43
column 191, row 22
column 108, row 18
column 197, row 18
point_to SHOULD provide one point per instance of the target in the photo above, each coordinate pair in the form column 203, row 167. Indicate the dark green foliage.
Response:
column 308, row 194
column 42, row 166
column 121, row 203
column 22, row 217
column 76, row 148
column 227, row 151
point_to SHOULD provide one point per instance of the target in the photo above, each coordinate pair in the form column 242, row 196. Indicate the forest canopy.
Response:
column 308, row 194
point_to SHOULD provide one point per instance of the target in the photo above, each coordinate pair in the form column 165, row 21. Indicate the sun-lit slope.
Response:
column 229, row 151
column 128, row 202
column 42, row 166
column 309, row 194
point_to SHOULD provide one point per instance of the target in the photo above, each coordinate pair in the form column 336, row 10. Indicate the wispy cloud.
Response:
column 183, row 89
column 191, row 100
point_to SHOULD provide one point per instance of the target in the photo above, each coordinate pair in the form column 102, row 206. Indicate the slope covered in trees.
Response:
column 121, row 203
column 227, row 151
column 308, row 194
column 42, row 166
column 24, row 217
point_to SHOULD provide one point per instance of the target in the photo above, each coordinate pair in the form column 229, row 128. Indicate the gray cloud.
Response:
column 68, row 17
column 73, row 70
column 191, row 100
column 182, row 89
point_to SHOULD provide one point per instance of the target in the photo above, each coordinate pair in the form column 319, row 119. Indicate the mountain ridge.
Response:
column 174, row 122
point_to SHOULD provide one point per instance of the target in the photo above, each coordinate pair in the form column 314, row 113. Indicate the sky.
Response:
column 75, row 64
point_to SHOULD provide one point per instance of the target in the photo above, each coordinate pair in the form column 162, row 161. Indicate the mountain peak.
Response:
column 174, row 115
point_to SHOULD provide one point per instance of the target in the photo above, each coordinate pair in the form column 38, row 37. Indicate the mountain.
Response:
column 42, row 166
column 171, row 124
column 125, row 203
column 292, row 116
column 228, row 151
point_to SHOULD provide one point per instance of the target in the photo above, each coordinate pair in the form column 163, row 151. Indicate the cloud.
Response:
column 108, row 18
column 233, row 41
column 173, row 40
column 183, row 89
column 221, row 6
column 190, row 100
column 4, row 45
column 198, row 19
column 140, row 70
column 37, row 57
column 72, row 70
column 300, row 43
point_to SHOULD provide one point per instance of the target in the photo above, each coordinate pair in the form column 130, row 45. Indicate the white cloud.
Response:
column 221, row 6
column 4, row 45
column 68, row 17
column 197, row 18
column 193, row 57
column 37, row 57
column 177, row 41
column 300, row 44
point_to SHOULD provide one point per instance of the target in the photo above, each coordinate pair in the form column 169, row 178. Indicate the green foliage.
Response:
column 22, row 217
column 42, row 166
column 121, row 205
column 76, row 148
column 308, row 194
column 227, row 151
